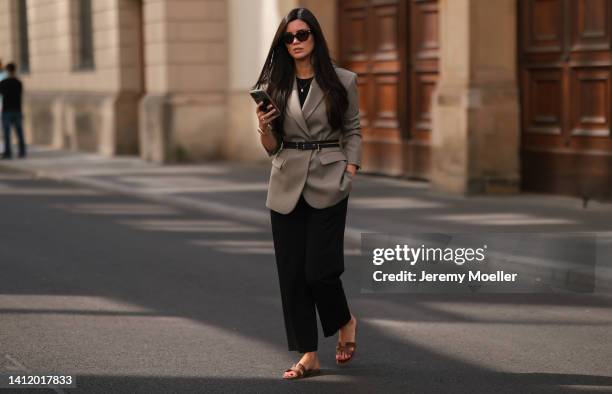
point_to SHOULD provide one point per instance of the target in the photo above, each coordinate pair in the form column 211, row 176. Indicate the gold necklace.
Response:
column 299, row 81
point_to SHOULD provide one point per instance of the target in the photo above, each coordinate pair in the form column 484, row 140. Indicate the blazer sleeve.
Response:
column 278, row 139
column 279, row 146
column 351, row 138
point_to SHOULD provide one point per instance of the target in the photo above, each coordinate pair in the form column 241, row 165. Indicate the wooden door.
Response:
column 392, row 45
column 565, row 65
column 423, row 76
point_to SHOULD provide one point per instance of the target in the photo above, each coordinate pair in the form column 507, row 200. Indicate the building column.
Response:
column 476, row 129
column 8, row 31
column 252, row 25
column 183, row 113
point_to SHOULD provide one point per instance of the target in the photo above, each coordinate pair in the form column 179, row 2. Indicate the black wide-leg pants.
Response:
column 309, row 249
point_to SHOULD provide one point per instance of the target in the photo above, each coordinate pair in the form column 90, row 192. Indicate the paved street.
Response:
column 173, row 288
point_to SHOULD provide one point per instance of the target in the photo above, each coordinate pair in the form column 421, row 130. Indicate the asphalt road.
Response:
column 131, row 296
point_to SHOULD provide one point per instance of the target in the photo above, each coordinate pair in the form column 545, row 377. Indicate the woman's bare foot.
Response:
column 346, row 334
column 309, row 360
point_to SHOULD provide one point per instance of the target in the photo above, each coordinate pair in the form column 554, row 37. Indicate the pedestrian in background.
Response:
column 310, row 180
column 2, row 76
column 11, row 90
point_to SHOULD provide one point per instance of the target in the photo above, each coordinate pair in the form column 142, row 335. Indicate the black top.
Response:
column 11, row 90
column 303, row 86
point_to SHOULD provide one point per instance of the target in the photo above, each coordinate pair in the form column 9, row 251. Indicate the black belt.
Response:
column 310, row 145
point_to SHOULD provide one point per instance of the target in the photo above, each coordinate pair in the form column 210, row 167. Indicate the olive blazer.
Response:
column 320, row 175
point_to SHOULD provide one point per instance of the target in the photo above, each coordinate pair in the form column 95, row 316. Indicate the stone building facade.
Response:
column 476, row 96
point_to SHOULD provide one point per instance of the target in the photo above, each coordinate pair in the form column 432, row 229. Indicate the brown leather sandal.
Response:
column 301, row 371
column 347, row 347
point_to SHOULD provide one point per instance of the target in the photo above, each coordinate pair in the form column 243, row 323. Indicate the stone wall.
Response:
column 87, row 109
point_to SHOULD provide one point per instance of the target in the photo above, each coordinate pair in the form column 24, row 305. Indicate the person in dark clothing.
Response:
column 11, row 90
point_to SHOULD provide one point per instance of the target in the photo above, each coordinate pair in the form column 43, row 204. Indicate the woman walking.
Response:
column 315, row 138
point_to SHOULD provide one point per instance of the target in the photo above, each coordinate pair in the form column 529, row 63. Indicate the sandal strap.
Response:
column 345, row 345
column 298, row 368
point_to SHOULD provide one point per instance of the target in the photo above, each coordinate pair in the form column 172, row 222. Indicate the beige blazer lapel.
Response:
column 313, row 99
column 294, row 108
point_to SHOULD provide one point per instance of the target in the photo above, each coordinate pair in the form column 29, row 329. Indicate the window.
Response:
column 24, row 49
column 85, row 59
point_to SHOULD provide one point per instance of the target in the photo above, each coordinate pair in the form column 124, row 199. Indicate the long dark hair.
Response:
column 278, row 72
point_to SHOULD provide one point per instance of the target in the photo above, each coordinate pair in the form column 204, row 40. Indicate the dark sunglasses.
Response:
column 301, row 35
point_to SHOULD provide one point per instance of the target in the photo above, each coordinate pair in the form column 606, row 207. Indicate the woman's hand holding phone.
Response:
column 267, row 138
column 266, row 117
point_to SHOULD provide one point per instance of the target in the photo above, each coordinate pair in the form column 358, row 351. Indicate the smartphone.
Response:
column 262, row 96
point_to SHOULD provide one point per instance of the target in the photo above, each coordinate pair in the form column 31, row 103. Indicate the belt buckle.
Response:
column 300, row 145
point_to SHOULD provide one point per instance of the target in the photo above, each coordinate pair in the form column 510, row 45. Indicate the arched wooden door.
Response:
column 393, row 46
column 565, row 65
